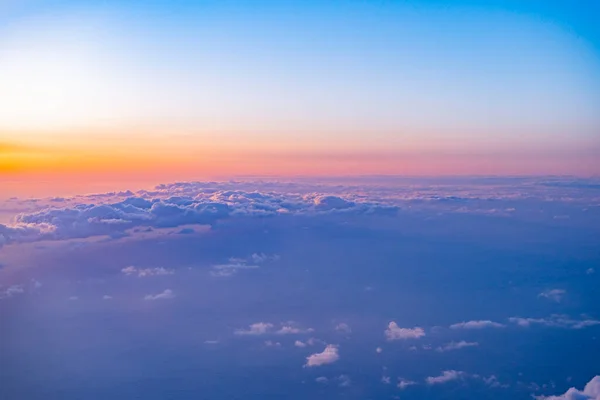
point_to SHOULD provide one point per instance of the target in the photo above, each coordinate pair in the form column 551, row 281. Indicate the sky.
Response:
column 109, row 92
column 299, row 199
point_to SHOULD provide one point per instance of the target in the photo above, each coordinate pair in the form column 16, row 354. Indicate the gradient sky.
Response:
column 186, row 89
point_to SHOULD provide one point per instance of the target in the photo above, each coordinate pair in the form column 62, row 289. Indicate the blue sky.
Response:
column 352, row 76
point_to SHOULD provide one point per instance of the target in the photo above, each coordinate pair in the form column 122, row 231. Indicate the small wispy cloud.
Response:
column 227, row 270
column 479, row 324
column 404, row 383
column 164, row 295
column 555, row 294
column 293, row 330
column 456, row 346
column 271, row 343
column 258, row 328
column 145, row 272
column 343, row 328
column 11, row 291
column 555, row 321
column 446, row 376
column 344, row 381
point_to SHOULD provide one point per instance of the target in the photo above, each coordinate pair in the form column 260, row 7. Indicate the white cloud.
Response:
column 480, row 324
column 258, row 328
column 327, row 356
column 447, row 376
column 343, row 328
column 321, row 379
column 555, row 321
column 379, row 350
column 404, row 383
column 211, row 342
column 164, row 295
column 386, row 380
column 394, row 332
column 456, row 345
column 554, row 294
column 590, row 271
column 106, row 297
column 298, row 343
column 591, row 391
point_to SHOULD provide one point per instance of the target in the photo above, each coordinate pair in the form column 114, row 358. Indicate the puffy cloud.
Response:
column 394, row 332
column 554, row 294
column 480, row 324
column 379, row 350
column 327, row 356
column 555, row 321
column 456, row 345
column 404, row 383
column 591, row 391
column 258, row 328
column 299, row 343
column 447, row 376
column 142, row 272
column 164, row 295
